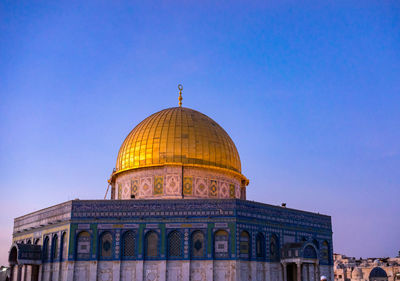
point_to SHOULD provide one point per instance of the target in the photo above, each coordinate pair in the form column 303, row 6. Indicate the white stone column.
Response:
column 116, row 270
column 238, row 269
column 209, row 270
column 253, row 270
column 298, row 267
column 316, row 272
column 23, row 272
column 284, row 271
column 186, row 270
column 28, row 274
column 139, row 270
column 69, row 271
column 304, row 274
column 163, row 270
column 267, row 271
column 93, row 271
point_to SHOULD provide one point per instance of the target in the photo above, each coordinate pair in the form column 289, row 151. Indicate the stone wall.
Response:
column 195, row 270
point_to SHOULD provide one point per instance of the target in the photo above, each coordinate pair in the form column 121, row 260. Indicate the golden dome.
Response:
column 178, row 136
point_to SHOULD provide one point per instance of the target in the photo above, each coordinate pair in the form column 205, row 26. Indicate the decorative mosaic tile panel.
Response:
column 187, row 186
column 158, row 185
column 201, row 187
column 126, row 191
column 134, row 187
column 232, row 190
column 213, row 188
column 224, row 191
column 172, row 184
column 145, row 186
column 119, row 191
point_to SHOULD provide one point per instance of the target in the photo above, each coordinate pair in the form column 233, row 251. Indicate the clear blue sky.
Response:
column 308, row 90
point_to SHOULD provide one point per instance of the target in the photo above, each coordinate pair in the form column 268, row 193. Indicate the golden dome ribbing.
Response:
column 179, row 136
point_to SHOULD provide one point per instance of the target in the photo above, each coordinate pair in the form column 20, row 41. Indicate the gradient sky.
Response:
column 308, row 90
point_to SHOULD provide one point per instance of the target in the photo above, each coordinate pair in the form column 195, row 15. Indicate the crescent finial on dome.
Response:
column 180, row 87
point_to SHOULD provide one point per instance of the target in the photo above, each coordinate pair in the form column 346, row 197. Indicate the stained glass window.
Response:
column 221, row 244
column 151, row 244
column 55, row 247
column 64, row 250
column 46, row 249
column 274, row 248
column 174, row 244
column 106, row 245
column 244, row 245
column 129, row 242
column 310, row 253
column 325, row 252
column 198, row 244
column 260, row 246
column 83, row 245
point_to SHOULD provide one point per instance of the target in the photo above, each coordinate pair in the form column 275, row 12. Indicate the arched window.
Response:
column 83, row 245
column 12, row 258
column 197, row 245
column 309, row 252
column 221, row 249
column 46, row 249
column 260, row 246
column 274, row 248
column 151, row 244
column 325, row 252
column 174, row 244
column 244, row 245
column 37, row 241
column 55, row 250
column 64, row 250
column 129, row 242
column 106, row 245
column 29, row 241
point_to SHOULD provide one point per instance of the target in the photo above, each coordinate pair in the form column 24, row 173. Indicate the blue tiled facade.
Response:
column 233, row 216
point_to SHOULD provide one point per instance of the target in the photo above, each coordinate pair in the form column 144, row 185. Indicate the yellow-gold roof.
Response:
column 178, row 135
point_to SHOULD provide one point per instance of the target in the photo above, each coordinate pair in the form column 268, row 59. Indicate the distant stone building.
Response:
column 178, row 211
column 370, row 269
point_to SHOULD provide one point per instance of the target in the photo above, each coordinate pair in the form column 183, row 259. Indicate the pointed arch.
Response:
column 63, row 246
column 106, row 245
column 129, row 245
column 260, row 246
column 175, row 244
column 83, row 243
column 309, row 251
column 197, row 245
column 274, row 248
column 325, row 252
column 221, row 244
column 46, row 249
column 55, row 248
column 244, row 245
column 151, row 245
